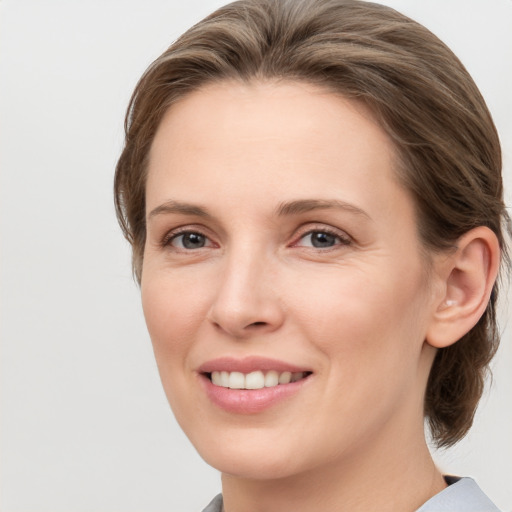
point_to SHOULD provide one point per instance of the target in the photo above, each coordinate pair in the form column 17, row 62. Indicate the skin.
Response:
column 356, row 313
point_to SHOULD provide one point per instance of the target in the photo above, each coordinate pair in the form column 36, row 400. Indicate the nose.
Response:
column 247, row 301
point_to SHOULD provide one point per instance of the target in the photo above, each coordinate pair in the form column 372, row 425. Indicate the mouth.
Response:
column 253, row 384
column 258, row 379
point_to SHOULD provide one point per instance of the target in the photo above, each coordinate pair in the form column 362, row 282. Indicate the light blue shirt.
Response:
column 462, row 495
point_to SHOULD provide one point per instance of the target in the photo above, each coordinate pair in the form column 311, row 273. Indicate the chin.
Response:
column 250, row 458
column 252, row 468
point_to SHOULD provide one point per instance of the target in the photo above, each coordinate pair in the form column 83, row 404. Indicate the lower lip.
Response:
column 249, row 401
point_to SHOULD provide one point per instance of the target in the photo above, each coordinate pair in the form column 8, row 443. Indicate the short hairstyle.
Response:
column 419, row 92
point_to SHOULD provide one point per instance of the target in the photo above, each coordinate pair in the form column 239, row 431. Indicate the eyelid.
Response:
column 344, row 237
column 172, row 234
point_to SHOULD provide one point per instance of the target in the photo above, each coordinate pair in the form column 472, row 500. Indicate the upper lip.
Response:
column 248, row 365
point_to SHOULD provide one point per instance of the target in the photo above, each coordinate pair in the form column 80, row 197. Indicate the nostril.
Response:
column 257, row 324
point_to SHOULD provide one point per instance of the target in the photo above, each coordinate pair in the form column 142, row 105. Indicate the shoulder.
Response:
column 461, row 495
column 215, row 505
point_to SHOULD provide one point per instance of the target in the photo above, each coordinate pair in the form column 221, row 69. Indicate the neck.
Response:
column 394, row 477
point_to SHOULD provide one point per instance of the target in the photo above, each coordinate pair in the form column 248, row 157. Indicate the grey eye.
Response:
column 319, row 240
column 190, row 240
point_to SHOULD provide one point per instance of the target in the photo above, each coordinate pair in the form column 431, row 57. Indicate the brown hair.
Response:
column 449, row 151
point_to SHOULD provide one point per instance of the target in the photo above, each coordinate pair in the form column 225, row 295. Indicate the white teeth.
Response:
column 254, row 380
column 216, row 378
column 285, row 378
column 236, row 380
column 271, row 379
column 221, row 379
column 224, row 379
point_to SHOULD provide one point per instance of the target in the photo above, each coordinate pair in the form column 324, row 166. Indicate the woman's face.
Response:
column 280, row 242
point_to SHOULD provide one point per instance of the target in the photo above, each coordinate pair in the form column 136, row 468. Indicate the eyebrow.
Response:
column 284, row 209
column 306, row 205
column 173, row 206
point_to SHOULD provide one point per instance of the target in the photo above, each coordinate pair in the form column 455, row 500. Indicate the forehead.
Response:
column 267, row 106
column 260, row 127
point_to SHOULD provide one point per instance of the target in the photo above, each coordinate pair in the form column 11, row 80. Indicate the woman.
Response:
column 312, row 190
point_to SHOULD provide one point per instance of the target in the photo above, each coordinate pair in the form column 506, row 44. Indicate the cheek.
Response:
column 370, row 333
column 172, row 311
column 365, row 319
column 173, row 308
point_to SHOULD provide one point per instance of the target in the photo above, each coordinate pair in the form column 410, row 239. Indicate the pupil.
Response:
column 193, row 241
column 320, row 239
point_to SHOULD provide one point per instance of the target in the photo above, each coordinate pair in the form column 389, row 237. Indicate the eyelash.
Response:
column 173, row 235
column 343, row 239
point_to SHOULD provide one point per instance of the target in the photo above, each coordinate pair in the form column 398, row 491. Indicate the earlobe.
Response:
column 468, row 278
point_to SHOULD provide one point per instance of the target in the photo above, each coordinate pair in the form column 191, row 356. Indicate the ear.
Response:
column 467, row 277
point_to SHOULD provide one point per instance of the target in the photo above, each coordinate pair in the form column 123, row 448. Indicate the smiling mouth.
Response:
column 254, row 380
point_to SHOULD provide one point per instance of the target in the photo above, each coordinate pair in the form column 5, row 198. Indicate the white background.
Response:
column 85, row 424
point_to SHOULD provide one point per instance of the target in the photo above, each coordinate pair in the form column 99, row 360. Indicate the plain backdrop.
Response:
column 85, row 426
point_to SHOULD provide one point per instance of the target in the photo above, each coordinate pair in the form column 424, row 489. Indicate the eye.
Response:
column 189, row 240
column 322, row 239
